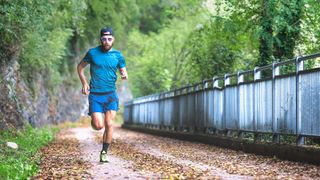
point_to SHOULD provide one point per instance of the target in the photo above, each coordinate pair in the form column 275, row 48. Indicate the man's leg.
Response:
column 107, row 136
column 97, row 121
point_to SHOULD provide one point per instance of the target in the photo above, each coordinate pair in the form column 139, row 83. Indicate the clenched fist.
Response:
column 85, row 89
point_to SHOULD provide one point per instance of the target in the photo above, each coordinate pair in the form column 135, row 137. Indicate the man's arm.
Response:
column 123, row 73
column 80, row 68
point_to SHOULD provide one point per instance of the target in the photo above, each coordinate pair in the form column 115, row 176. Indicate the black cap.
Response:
column 106, row 31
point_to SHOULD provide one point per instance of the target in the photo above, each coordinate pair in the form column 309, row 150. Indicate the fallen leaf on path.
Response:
column 62, row 159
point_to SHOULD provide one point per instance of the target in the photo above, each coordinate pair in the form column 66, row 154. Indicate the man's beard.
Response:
column 107, row 47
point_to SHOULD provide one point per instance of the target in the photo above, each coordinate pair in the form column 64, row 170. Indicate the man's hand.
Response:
column 123, row 74
column 85, row 89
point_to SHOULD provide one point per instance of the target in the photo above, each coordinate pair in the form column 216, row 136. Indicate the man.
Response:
column 103, row 100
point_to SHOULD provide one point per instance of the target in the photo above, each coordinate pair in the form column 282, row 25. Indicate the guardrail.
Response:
column 263, row 100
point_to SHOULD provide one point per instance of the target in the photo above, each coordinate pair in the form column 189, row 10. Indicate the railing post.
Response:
column 205, row 85
column 240, row 79
column 190, row 125
column 189, row 89
column 215, row 82
column 226, row 83
column 196, row 115
column 226, row 80
column 205, row 96
column 299, row 67
column 161, row 110
column 181, row 120
column 256, row 76
column 275, row 135
column 197, row 87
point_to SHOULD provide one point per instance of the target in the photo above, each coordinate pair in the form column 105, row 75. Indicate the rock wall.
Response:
column 10, row 110
column 18, row 106
column 71, row 104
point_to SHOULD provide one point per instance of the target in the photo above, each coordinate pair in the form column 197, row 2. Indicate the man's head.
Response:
column 106, row 38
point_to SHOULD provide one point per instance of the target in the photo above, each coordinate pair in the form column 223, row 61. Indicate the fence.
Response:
column 263, row 100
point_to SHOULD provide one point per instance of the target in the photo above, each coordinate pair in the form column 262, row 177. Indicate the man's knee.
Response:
column 110, row 115
column 96, row 121
column 109, row 124
column 97, row 126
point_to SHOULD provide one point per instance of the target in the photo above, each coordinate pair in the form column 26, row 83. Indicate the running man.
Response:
column 103, row 100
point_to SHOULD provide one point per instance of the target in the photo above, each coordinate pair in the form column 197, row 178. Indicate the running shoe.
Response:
column 103, row 157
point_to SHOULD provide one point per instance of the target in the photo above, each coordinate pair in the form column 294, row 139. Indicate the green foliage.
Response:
column 220, row 47
column 287, row 28
column 159, row 59
column 309, row 41
column 226, row 42
column 167, row 43
column 122, row 16
column 44, row 55
column 157, row 14
column 153, row 15
column 280, row 29
column 148, row 60
column 266, row 33
column 23, row 162
column 14, row 22
column 38, row 32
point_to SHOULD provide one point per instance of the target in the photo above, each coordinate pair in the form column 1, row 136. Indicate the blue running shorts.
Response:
column 103, row 102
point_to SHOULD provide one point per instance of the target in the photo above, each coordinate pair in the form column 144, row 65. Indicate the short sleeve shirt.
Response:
column 103, row 68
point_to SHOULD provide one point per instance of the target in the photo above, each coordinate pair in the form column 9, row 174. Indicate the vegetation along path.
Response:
column 133, row 155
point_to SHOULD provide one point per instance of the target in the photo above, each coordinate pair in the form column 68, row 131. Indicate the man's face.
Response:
column 107, row 41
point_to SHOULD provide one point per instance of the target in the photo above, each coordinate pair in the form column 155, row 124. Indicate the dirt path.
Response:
column 131, row 159
column 141, row 156
column 62, row 159
column 118, row 168
column 222, row 163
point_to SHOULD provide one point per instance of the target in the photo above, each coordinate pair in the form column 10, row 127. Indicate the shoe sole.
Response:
column 104, row 161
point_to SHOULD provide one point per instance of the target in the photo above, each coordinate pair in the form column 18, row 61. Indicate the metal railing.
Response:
column 275, row 103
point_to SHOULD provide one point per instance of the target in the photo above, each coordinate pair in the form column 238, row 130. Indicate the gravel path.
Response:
column 120, row 168
column 136, row 155
column 117, row 168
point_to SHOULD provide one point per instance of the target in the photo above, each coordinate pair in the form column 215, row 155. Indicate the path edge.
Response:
column 285, row 152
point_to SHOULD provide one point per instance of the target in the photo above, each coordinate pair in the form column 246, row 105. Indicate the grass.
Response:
column 23, row 162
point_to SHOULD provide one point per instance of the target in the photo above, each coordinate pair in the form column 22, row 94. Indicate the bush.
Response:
column 23, row 162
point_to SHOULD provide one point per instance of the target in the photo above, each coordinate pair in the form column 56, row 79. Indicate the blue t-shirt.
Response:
column 103, row 68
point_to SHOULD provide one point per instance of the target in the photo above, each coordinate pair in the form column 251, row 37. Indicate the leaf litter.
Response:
column 61, row 159
column 233, row 162
column 166, row 168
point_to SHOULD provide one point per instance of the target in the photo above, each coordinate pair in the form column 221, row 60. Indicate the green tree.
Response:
column 36, row 33
column 157, row 61
column 309, row 41
column 225, row 43
column 266, row 34
column 122, row 16
column 287, row 28
column 280, row 29
column 167, row 43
